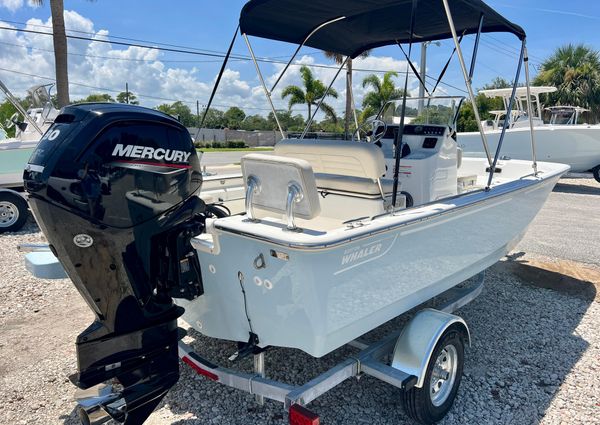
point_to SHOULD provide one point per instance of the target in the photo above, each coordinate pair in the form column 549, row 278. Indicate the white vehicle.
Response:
column 562, row 139
column 333, row 238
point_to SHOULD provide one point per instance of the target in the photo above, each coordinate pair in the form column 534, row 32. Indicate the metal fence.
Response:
column 250, row 138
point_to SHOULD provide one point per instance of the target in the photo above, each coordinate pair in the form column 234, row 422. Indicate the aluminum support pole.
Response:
column 476, row 48
column 508, row 112
column 529, row 108
column 463, row 67
column 262, row 81
column 324, row 24
column 19, row 108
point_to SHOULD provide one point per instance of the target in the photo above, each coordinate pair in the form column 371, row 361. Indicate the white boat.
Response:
column 29, row 125
column 560, row 140
column 333, row 238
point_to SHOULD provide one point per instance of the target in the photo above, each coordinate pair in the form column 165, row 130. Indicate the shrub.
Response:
column 235, row 144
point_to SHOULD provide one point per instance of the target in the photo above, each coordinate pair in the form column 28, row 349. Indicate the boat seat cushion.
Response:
column 341, row 166
column 275, row 174
column 339, row 157
column 353, row 185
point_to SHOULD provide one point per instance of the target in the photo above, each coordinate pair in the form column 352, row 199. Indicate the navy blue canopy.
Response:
column 367, row 23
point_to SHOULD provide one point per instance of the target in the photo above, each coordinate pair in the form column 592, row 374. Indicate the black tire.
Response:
column 418, row 402
column 596, row 171
column 13, row 211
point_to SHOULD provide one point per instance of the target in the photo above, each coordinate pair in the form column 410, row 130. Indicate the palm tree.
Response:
column 575, row 71
column 339, row 59
column 313, row 92
column 383, row 90
column 60, row 50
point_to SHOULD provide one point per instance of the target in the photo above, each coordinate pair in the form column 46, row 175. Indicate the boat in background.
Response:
column 30, row 125
column 561, row 139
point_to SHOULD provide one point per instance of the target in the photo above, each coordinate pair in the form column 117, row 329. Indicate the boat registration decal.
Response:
column 358, row 255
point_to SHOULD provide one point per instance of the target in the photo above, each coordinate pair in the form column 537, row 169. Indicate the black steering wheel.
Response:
column 371, row 130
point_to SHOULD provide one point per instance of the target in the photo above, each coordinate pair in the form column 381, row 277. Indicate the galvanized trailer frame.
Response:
column 372, row 360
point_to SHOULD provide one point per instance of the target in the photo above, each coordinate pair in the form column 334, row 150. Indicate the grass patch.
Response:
column 234, row 149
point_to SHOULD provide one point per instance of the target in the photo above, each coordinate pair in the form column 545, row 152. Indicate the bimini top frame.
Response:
column 350, row 27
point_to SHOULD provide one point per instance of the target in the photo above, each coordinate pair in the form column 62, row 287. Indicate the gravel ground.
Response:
column 534, row 357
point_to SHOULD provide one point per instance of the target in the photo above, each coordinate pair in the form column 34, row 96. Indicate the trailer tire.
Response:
column 13, row 211
column 596, row 171
column 422, row 404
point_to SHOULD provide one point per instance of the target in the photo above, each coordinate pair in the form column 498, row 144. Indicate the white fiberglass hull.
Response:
column 14, row 155
column 577, row 146
column 335, row 286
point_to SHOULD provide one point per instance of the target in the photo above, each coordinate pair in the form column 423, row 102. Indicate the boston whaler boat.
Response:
column 335, row 237
column 562, row 139
column 15, row 151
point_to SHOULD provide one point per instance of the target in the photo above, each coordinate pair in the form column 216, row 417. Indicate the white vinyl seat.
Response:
column 342, row 167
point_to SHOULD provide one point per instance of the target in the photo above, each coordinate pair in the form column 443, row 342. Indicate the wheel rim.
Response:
column 9, row 214
column 443, row 375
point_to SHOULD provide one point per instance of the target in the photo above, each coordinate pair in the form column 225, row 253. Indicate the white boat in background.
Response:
column 561, row 139
column 29, row 125
column 16, row 151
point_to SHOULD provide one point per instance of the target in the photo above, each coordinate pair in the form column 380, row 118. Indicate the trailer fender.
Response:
column 420, row 336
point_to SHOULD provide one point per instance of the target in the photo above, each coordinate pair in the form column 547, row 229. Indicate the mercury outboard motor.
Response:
column 113, row 187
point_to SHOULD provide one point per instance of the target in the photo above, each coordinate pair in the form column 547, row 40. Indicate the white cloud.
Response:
column 97, row 66
column 14, row 5
column 11, row 5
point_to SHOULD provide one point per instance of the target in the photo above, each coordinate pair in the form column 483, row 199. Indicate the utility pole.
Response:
column 423, row 69
column 127, row 93
column 198, row 112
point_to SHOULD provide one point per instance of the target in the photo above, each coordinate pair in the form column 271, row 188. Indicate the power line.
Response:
column 219, row 55
column 105, row 89
column 137, row 40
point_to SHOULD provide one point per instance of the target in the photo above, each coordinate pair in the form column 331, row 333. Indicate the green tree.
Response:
column 382, row 90
column 466, row 118
column 215, row 118
column 180, row 111
column 288, row 121
column 313, row 92
column 255, row 122
column 497, row 83
column 96, row 97
column 127, row 97
column 6, row 111
column 234, row 117
column 60, row 50
column 575, row 71
column 339, row 59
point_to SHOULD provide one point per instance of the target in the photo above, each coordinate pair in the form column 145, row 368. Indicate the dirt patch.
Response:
column 568, row 277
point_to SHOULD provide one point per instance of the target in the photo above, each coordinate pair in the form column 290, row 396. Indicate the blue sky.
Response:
column 161, row 77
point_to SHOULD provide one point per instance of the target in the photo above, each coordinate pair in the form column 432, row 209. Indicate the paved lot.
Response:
column 568, row 226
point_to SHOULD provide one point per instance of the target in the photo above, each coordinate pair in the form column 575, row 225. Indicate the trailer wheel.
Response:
column 430, row 403
column 596, row 171
column 13, row 211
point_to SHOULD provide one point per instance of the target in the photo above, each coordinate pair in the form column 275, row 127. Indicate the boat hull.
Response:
column 13, row 158
column 321, row 297
column 577, row 146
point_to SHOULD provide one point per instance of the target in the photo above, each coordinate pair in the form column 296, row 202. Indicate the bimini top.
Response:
column 521, row 91
column 366, row 24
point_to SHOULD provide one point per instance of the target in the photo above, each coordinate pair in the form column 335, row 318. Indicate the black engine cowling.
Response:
column 113, row 188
